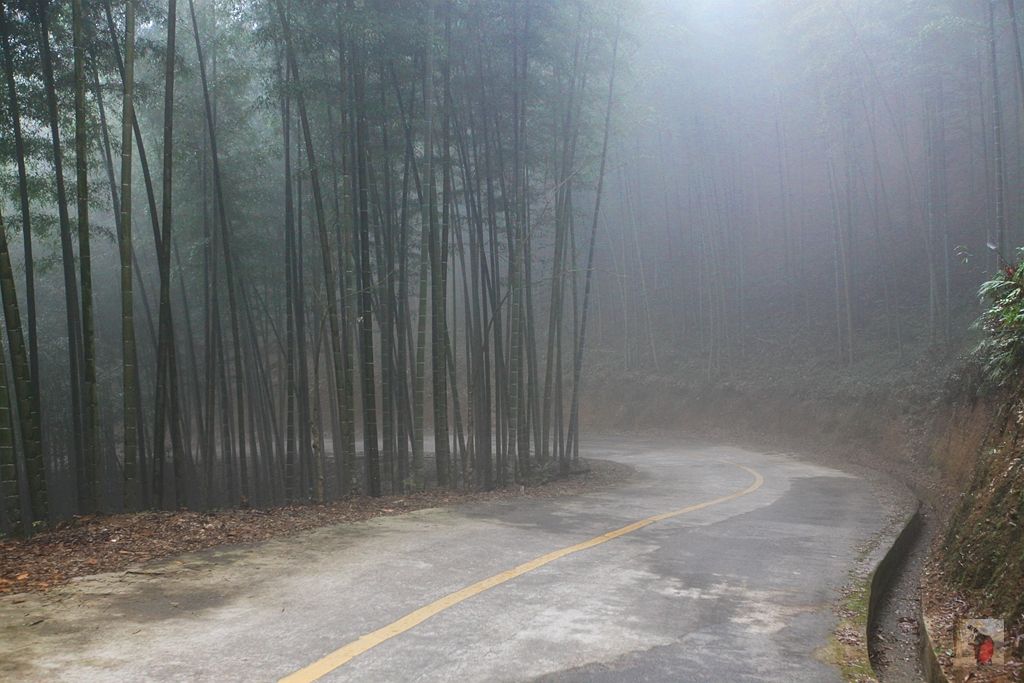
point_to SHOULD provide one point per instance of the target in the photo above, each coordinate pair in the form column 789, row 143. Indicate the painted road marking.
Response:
column 345, row 654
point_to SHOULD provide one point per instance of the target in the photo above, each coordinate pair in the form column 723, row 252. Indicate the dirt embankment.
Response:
column 957, row 445
column 976, row 568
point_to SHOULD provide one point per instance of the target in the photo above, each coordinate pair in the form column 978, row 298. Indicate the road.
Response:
column 722, row 565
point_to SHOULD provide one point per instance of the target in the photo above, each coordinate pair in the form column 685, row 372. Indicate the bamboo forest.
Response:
column 352, row 235
column 430, row 291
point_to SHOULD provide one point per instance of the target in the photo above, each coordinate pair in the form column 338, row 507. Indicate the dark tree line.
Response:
column 372, row 221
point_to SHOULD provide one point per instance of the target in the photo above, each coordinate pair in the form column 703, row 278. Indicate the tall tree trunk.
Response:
column 115, row 203
column 129, row 354
column 166, row 377
column 233, row 284
column 25, row 364
column 71, row 302
column 577, row 371
column 347, row 270
column 291, row 450
column 325, row 246
column 89, row 487
column 438, row 335
column 997, row 133
column 419, row 371
column 10, row 500
column 370, row 444
column 1018, row 51
column 27, row 400
column 26, row 220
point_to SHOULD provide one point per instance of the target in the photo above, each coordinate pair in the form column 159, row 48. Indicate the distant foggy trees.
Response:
column 813, row 183
column 369, row 223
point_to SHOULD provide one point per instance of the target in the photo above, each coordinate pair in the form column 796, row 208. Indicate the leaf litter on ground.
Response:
column 94, row 544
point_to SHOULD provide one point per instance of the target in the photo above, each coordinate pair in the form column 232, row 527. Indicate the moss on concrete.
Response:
column 847, row 648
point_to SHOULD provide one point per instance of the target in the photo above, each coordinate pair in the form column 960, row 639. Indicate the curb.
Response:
column 888, row 567
column 929, row 660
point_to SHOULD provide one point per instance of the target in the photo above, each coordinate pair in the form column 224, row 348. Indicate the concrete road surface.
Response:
column 729, row 576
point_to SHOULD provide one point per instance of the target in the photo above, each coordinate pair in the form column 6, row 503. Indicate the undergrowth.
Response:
column 1001, row 350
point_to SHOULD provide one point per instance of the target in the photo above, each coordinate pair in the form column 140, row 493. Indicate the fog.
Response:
column 808, row 183
column 383, row 246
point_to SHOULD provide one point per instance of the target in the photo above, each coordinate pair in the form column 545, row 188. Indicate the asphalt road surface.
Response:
column 709, row 564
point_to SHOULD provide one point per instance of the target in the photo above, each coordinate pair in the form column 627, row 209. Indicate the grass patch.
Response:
column 847, row 648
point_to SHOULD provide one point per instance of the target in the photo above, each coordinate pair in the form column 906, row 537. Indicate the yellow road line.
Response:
column 343, row 655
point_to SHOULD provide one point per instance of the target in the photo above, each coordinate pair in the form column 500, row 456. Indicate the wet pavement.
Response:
column 741, row 590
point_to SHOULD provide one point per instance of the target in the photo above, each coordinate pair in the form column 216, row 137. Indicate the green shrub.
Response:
column 1001, row 351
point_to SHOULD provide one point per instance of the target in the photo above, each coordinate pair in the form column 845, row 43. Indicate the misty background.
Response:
column 789, row 190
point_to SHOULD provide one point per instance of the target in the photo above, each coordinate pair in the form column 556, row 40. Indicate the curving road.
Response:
column 710, row 564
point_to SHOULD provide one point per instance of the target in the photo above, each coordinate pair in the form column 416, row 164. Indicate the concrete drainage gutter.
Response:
column 929, row 659
column 886, row 572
